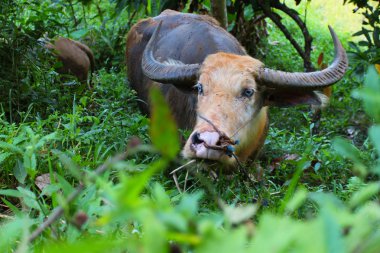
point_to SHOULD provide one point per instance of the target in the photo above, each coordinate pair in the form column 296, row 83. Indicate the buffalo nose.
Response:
column 196, row 138
column 201, row 142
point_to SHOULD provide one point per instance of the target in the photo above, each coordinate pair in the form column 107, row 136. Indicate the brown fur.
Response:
column 223, row 77
column 77, row 59
column 226, row 72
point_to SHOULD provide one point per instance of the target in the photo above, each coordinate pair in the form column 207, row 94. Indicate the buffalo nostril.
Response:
column 195, row 138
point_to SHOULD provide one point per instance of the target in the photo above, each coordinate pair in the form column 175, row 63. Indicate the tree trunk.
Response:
column 219, row 11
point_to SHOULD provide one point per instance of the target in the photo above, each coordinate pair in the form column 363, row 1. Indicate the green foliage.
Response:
column 311, row 198
column 163, row 127
column 367, row 51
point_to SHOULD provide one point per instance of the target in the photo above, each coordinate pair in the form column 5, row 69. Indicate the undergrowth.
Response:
column 302, row 195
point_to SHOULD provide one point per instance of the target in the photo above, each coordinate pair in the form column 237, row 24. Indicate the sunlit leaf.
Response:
column 10, row 147
column 19, row 171
column 297, row 200
column 374, row 134
column 364, row 194
column 163, row 130
column 4, row 156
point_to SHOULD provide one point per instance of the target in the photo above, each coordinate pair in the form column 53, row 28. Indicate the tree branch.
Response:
column 304, row 53
column 301, row 24
column 219, row 12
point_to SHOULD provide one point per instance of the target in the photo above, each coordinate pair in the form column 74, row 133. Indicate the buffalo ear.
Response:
column 287, row 98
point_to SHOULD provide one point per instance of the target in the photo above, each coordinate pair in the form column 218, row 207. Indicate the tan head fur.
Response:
column 231, row 99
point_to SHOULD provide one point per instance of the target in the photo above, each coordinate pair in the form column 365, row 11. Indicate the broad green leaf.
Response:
column 29, row 198
column 10, row 147
column 4, row 156
column 11, row 233
column 189, row 204
column 225, row 242
column 12, row 207
column 332, row 232
column 30, row 163
column 69, row 164
column 160, row 197
column 283, row 234
column 11, row 193
column 364, row 194
column 371, row 93
column 347, row 150
column 93, row 244
column 133, row 186
column 296, row 201
column 301, row 166
column 19, row 171
column 154, row 238
column 374, row 134
column 163, row 130
column 79, row 33
column 67, row 188
column 46, row 138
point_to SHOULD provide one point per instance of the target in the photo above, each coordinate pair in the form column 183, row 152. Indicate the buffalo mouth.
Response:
column 210, row 145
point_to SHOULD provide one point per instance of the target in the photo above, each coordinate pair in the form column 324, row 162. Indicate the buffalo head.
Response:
column 234, row 92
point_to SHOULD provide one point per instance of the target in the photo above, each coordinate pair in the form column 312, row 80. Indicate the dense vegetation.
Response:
column 90, row 162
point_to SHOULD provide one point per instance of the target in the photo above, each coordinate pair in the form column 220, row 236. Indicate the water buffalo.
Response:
column 177, row 51
column 77, row 58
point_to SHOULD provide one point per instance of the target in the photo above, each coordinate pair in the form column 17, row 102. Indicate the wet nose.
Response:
column 209, row 138
column 199, row 143
column 196, row 139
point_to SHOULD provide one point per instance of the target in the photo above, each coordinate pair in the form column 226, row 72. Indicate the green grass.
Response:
column 135, row 205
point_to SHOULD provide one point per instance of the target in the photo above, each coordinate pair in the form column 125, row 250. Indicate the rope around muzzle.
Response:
column 226, row 143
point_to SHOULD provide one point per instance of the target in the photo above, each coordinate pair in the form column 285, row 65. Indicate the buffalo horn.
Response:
column 176, row 74
column 310, row 80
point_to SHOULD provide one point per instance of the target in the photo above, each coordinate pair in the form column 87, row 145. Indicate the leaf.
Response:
column 29, row 198
column 374, row 135
column 303, row 164
column 133, row 186
column 346, row 149
column 189, row 204
column 296, row 201
column 10, row 147
column 11, row 193
column 79, row 34
column 30, row 163
column 223, row 242
column 377, row 66
column 239, row 214
column 19, row 171
column 67, row 188
column 320, row 59
column 376, row 36
column 332, row 232
column 46, row 138
column 364, row 43
column 3, row 157
column 354, row 46
column 11, row 233
column 69, row 164
column 163, row 130
column 12, row 207
column 370, row 94
column 364, row 194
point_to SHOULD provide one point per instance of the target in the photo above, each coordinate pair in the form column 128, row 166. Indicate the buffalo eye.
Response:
column 248, row 92
column 199, row 86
